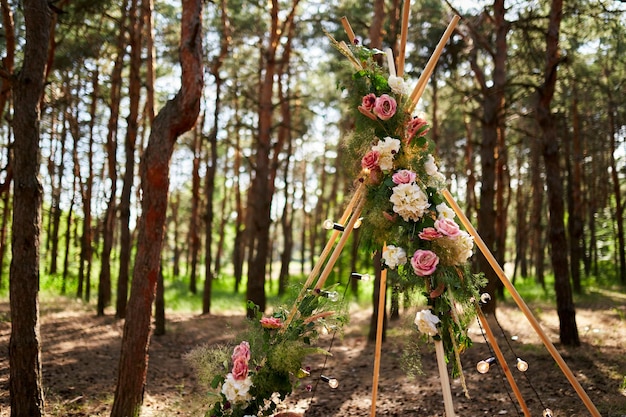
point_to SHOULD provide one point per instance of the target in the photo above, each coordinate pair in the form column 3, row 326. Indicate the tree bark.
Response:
column 176, row 117
column 194, row 221
column 5, row 95
column 493, row 107
column 25, row 376
column 212, row 164
column 575, row 220
column 132, row 127
column 55, row 209
column 619, row 206
column 262, row 189
column 568, row 331
column 104, row 282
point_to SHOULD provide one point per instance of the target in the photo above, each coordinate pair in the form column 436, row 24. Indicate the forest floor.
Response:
column 81, row 350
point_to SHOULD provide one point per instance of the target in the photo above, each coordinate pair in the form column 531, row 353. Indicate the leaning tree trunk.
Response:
column 25, row 380
column 177, row 116
column 558, row 241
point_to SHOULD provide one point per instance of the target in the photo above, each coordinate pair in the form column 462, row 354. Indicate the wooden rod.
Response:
column 522, row 306
column 502, row 361
column 382, row 293
column 342, row 242
column 348, row 29
column 406, row 8
column 325, row 252
column 444, row 379
column 430, row 65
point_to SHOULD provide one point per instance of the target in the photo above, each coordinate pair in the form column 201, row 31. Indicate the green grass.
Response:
column 178, row 298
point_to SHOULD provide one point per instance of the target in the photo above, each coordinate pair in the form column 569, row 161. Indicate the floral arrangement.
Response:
column 405, row 209
column 253, row 376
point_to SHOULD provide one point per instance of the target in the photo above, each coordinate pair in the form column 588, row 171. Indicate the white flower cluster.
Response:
column 237, row 391
column 409, row 201
column 387, row 148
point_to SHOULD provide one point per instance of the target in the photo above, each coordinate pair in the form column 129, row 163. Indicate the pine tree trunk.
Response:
column 159, row 305
column 25, row 374
column 104, row 282
column 536, row 209
column 134, row 89
column 55, row 210
column 558, row 242
column 194, row 221
column 209, row 213
column 212, row 167
column 68, row 245
column 493, row 108
column 5, row 94
column 617, row 193
column 175, row 118
column 575, row 220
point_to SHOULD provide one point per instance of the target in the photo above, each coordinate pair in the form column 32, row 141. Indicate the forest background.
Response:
column 525, row 106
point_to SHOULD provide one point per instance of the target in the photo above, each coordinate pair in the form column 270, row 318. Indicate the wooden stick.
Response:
column 502, row 361
column 348, row 29
column 406, row 8
column 379, row 335
column 522, row 305
column 430, row 66
column 325, row 252
column 342, row 242
column 445, row 380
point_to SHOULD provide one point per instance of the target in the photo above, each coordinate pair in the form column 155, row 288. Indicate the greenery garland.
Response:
column 405, row 211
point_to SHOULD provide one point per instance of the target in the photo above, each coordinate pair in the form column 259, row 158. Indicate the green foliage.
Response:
column 273, row 350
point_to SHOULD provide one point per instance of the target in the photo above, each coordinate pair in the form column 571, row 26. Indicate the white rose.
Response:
column 397, row 84
column 426, row 322
column 445, row 212
column 394, row 256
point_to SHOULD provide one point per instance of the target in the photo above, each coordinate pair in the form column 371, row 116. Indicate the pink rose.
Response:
column 424, row 262
column 240, row 368
column 447, row 227
column 429, row 233
column 404, row 176
column 271, row 323
column 414, row 126
column 243, row 350
column 385, row 107
column 368, row 102
column 370, row 160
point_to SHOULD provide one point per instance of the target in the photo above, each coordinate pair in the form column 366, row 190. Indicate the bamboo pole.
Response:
column 358, row 196
column 502, row 361
column 382, row 293
column 348, row 29
column 342, row 242
column 522, row 306
column 406, row 8
column 430, row 66
column 444, row 379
